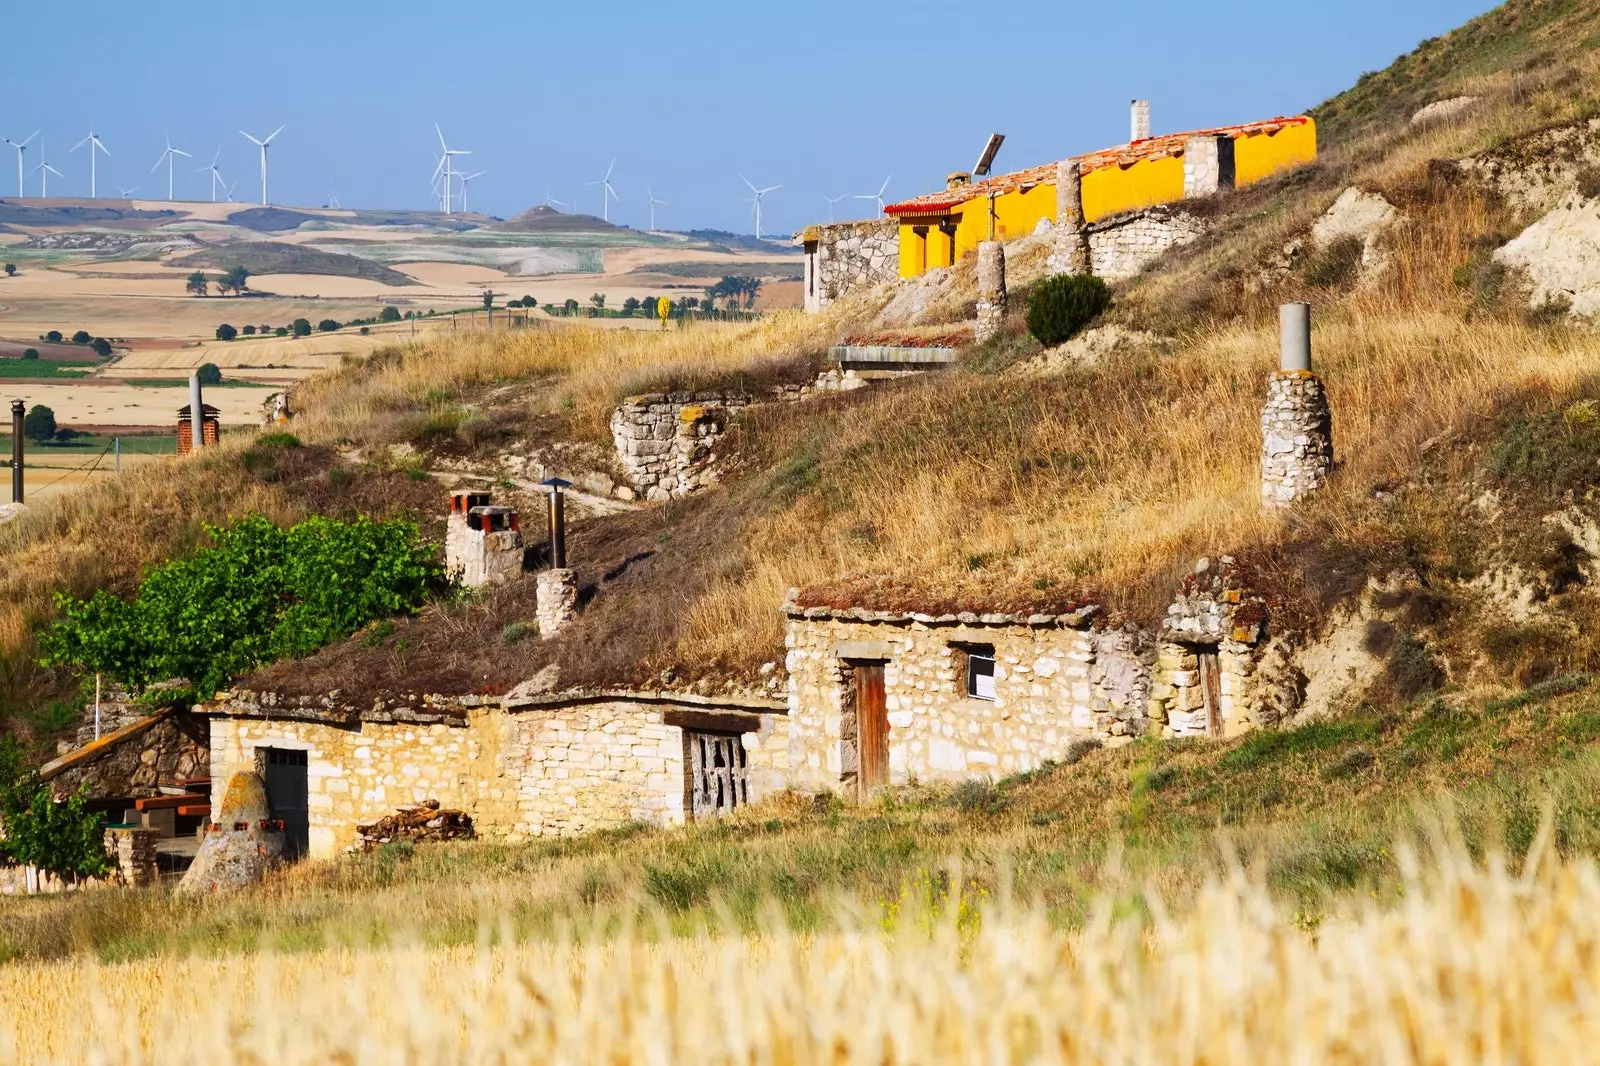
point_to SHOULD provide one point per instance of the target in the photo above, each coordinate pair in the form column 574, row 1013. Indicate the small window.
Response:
column 979, row 669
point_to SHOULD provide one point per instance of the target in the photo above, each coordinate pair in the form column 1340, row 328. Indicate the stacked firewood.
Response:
column 422, row 822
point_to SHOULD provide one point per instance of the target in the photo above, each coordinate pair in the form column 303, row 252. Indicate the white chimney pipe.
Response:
column 1141, row 120
column 197, row 414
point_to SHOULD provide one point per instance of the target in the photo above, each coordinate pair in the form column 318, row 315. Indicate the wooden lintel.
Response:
column 713, row 721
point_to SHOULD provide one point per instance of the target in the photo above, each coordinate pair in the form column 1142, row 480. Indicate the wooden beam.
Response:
column 713, row 721
column 159, row 803
column 195, row 810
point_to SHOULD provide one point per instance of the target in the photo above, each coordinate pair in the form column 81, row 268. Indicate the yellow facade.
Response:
column 1107, row 190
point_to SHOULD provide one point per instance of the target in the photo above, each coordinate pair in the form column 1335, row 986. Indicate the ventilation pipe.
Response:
column 197, row 414
column 558, row 521
column 18, row 408
column 1294, row 336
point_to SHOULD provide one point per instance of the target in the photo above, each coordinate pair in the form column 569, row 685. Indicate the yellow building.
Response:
column 938, row 228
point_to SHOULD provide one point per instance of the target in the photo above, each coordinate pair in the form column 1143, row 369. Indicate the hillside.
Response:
column 264, row 258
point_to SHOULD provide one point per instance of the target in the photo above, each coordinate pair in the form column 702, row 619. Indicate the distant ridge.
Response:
column 543, row 219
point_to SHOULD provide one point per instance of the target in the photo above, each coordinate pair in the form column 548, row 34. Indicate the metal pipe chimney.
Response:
column 558, row 521
column 1294, row 336
column 197, row 414
column 18, row 408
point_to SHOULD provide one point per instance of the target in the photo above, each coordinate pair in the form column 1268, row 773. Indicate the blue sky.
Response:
column 826, row 97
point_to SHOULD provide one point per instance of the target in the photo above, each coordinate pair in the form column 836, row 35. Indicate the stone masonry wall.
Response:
column 1121, row 246
column 1296, row 437
column 172, row 750
column 848, row 256
column 1213, row 614
column 519, row 773
column 1055, row 683
column 666, row 442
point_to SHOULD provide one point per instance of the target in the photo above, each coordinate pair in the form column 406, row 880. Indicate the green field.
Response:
column 92, row 444
column 44, row 369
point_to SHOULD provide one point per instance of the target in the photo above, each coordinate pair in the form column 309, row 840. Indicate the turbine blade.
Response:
column 29, row 139
column 440, row 132
column 747, row 182
column 273, row 134
column 80, row 144
column 100, row 146
column 157, row 167
column 250, row 138
column 612, row 167
column 180, row 151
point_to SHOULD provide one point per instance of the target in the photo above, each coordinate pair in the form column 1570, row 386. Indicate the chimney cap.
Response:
column 555, row 484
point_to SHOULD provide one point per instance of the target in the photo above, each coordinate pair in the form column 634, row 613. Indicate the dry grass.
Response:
column 1474, row 964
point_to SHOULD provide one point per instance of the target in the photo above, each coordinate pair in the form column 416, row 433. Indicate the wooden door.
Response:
column 872, row 726
column 1211, row 687
column 717, row 773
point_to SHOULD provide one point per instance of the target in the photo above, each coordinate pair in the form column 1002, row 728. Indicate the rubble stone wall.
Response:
column 1121, row 246
column 1054, row 683
column 518, row 773
column 843, row 257
column 171, row 750
column 1296, row 437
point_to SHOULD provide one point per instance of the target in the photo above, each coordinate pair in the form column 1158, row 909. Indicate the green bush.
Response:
column 209, row 373
column 62, row 838
column 327, row 325
column 1062, row 305
column 390, row 313
column 301, row 327
column 30, row 353
column 226, row 332
column 101, row 347
column 81, row 337
column 258, row 594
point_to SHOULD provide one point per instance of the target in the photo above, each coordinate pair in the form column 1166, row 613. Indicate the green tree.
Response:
column 11, row 270
column 570, row 307
column 630, row 306
column 248, row 330
column 226, row 332
column 488, row 299
column 1063, row 305
column 301, row 327
column 101, row 347
column 30, row 353
column 390, row 313
column 529, row 301
column 198, row 283
column 237, row 278
column 81, row 337
column 599, row 301
column 54, row 336
column 282, row 331
column 327, row 325
column 209, row 374
column 40, row 424
column 62, row 838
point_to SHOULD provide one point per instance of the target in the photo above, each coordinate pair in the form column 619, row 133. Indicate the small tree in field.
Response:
column 81, row 337
column 198, row 283
column 11, row 270
column 327, row 325
column 249, row 330
column 237, row 278
column 488, row 300
column 40, row 425
column 226, row 332
column 62, row 838
column 30, row 353
column 209, row 374
column 1062, row 305
column 390, row 313
column 101, row 347
column 301, row 327
column 54, row 336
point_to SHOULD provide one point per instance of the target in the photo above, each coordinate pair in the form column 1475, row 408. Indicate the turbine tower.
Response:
column 877, row 197
column 607, row 193
column 446, row 165
column 465, row 178
column 262, row 144
column 44, row 170
column 756, row 200
column 653, row 202
column 167, row 158
column 831, row 201
column 94, row 144
column 21, row 146
column 216, row 175
column 333, row 201
column 548, row 199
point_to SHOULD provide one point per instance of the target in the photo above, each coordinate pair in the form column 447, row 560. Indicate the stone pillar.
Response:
column 1071, row 252
column 991, row 289
column 557, row 600
column 1296, row 437
column 1139, row 124
column 133, row 856
column 1207, row 165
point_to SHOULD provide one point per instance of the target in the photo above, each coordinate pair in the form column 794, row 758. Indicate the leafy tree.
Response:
column 258, row 594
column 265, row 329
column 390, row 313
column 40, row 425
column 488, row 300
column 529, row 301
column 101, row 347
column 65, row 838
column 81, row 337
column 599, row 301
column 1062, row 305
column 301, row 328
column 198, row 283
column 237, row 278
column 570, row 307
column 30, row 353
column 226, row 332
column 54, row 336
column 630, row 305
column 327, row 325
column 282, row 331
column 248, row 331
column 11, row 270
column 209, row 374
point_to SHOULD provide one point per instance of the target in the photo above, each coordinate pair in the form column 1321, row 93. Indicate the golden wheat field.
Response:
column 1473, row 964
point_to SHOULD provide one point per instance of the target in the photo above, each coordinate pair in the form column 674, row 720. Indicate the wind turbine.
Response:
column 653, row 202
column 21, row 146
column 878, row 196
column 262, row 144
column 756, row 201
column 94, row 144
column 167, row 157
column 607, row 192
column 333, row 201
column 216, row 175
column 445, row 164
column 232, row 187
column 548, row 199
column 465, row 178
column 44, row 170
column 127, row 193
column 831, row 201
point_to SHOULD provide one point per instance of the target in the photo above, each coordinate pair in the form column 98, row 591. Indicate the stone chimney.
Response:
column 956, row 179
column 1141, row 121
column 991, row 289
column 482, row 543
column 1207, row 165
column 455, row 529
column 1070, row 254
column 1296, row 423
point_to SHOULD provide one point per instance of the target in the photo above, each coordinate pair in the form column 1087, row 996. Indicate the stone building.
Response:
column 845, row 256
column 520, row 766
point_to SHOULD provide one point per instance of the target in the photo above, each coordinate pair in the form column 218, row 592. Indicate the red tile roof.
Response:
column 1168, row 144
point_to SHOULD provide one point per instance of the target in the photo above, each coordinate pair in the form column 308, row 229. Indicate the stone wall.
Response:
column 1122, row 245
column 1213, row 624
column 163, row 748
column 555, row 767
column 1057, row 680
column 1296, row 437
column 667, row 442
column 844, row 257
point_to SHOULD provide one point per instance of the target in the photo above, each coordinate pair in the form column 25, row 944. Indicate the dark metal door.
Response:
column 716, row 773
column 286, row 782
column 872, row 726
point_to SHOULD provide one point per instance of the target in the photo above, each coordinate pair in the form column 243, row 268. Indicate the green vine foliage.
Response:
column 257, row 595
column 63, row 838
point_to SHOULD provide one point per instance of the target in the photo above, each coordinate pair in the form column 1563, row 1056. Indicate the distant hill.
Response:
column 261, row 257
column 282, row 219
column 743, row 242
column 544, row 219
column 59, row 214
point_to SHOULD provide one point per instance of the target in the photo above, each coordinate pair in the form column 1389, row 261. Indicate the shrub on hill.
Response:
column 64, row 839
column 1063, row 305
column 258, row 594
column 81, row 337
column 249, row 331
column 209, row 374
column 390, row 313
column 327, row 325
column 226, row 332
column 301, row 327
column 40, row 424
column 54, row 336
column 30, row 353
column 101, row 347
